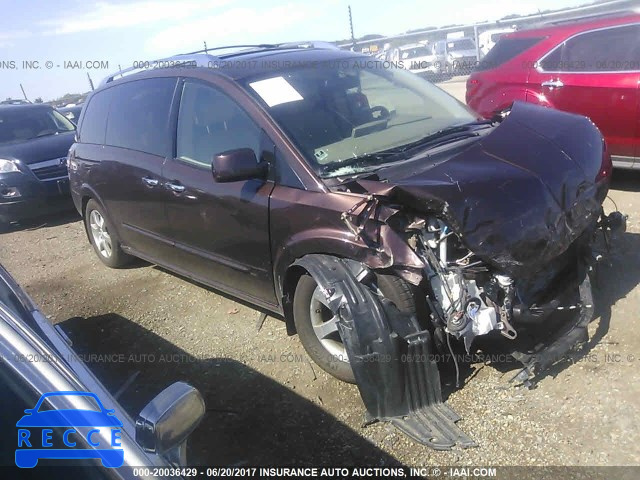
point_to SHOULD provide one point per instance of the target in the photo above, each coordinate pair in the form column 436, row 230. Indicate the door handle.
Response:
column 553, row 83
column 176, row 187
column 151, row 182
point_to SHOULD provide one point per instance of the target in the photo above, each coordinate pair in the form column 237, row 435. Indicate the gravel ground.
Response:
column 267, row 404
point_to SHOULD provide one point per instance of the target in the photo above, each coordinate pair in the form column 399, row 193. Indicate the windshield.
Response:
column 338, row 112
column 22, row 124
column 462, row 44
column 415, row 52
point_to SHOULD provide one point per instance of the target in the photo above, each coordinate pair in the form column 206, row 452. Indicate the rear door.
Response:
column 596, row 74
column 124, row 140
column 220, row 230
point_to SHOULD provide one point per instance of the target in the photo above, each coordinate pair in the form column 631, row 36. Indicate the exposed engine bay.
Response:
column 468, row 299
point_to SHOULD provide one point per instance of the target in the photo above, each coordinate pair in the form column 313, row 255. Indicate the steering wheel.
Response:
column 381, row 111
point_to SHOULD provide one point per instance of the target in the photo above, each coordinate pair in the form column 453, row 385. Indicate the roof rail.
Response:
column 206, row 59
column 614, row 14
column 578, row 20
column 224, row 47
column 310, row 44
column 198, row 60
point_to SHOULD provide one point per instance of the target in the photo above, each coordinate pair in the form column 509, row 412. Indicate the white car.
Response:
column 456, row 55
column 417, row 58
column 489, row 38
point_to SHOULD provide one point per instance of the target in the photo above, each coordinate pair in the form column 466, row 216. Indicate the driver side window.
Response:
column 209, row 122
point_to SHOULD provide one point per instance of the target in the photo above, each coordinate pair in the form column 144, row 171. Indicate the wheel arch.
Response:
column 87, row 193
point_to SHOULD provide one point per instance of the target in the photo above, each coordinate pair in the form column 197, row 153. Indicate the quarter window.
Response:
column 94, row 124
column 609, row 50
column 209, row 123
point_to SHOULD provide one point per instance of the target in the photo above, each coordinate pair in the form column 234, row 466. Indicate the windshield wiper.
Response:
column 467, row 130
column 47, row 133
column 361, row 163
column 376, row 160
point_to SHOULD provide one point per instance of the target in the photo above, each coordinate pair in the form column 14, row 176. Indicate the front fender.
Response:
column 392, row 252
column 328, row 241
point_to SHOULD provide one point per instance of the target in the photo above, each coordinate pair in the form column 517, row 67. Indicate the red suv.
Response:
column 590, row 67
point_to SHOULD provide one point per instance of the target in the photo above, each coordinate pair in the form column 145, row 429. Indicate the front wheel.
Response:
column 104, row 238
column 317, row 326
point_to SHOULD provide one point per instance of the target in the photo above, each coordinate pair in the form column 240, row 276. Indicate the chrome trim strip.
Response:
column 53, row 179
column 539, row 62
column 46, row 163
column 629, row 163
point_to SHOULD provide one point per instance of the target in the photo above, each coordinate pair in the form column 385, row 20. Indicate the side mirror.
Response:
column 236, row 165
column 164, row 424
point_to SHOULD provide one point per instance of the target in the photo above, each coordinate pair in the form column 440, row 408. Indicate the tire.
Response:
column 309, row 313
column 103, row 237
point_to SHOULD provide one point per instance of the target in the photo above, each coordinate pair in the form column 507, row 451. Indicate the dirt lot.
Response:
column 268, row 405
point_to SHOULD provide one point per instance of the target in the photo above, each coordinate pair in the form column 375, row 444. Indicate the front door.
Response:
column 221, row 230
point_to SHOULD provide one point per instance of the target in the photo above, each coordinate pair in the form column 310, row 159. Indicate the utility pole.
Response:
column 353, row 40
column 90, row 82
column 23, row 93
column 475, row 37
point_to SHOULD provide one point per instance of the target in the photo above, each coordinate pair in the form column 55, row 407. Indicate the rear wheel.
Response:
column 317, row 326
column 104, row 238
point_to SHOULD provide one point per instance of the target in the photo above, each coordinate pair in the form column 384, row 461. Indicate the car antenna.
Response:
column 205, row 47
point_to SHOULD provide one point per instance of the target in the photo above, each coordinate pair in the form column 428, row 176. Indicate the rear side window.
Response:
column 94, row 123
column 505, row 50
column 139, row 115
column 610, row 50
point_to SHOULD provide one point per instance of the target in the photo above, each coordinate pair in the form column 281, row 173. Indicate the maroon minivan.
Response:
column 371, row 210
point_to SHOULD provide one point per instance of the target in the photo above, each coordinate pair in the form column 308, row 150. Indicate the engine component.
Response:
column 465, row 308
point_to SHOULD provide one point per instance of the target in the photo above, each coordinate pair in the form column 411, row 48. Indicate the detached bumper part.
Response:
column 575, row 333
column 390, row 355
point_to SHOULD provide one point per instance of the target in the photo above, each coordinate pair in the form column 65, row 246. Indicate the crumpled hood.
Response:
column 517, row 197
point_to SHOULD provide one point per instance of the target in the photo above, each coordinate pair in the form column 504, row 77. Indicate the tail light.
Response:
column 472, row 87
column 606, row 167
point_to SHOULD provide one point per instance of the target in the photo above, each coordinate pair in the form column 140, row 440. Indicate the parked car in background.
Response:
column 45, row 379
column 488, row 39
column 72, row 113
column 417, row 58
column 456, row 55
column 590, row 67
column 15, row 101
column 34, row 142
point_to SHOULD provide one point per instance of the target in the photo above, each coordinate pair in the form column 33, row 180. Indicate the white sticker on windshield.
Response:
column 275, row 91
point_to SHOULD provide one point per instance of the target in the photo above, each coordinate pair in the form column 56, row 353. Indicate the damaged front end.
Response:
column 393, row 354
column 497, row 248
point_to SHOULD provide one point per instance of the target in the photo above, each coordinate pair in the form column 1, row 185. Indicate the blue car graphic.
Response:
column 36, row 447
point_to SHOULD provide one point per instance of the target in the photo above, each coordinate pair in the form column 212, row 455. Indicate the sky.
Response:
column 113, row 34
